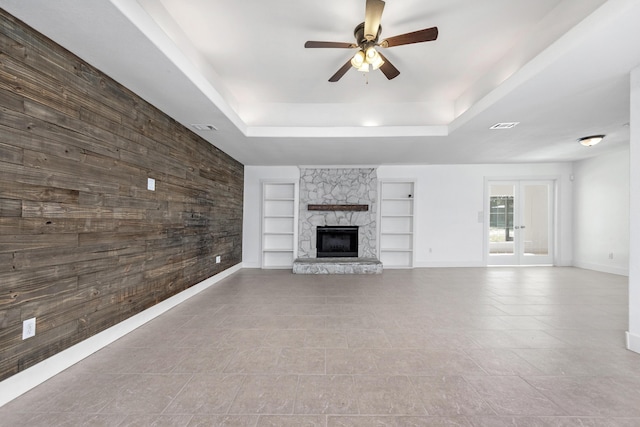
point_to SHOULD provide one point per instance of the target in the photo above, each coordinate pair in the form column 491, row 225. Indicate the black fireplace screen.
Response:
column 337, row 241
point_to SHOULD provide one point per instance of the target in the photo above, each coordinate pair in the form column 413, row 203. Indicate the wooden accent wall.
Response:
column 83, row 243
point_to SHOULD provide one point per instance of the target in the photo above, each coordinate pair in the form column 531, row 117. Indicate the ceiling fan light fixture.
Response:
column 590, row 141
column 377, row 62
column 370, row 54
column 364, row 68
column 373, row 57
column 358, row 60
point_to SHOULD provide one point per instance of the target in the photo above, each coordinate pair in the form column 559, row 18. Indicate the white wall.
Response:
column 601, row 212
column 633, row 336
column 251, row 221
column 448, row 200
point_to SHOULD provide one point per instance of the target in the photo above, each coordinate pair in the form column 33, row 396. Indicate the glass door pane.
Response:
column 535, row 223
column 501, row 210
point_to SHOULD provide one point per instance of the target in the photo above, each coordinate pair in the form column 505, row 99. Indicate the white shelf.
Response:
column 279, row 224
column 396, row 236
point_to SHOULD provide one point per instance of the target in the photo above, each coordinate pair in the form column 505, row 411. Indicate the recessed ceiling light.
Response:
column 505, row 125
column 589, row 141
column 204, row 127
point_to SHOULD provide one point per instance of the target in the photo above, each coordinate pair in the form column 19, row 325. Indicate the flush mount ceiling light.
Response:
column 589, row 141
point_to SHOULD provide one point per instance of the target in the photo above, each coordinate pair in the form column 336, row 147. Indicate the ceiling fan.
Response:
column 367, row 35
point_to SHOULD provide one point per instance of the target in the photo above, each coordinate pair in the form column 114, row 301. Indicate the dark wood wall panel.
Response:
column 83, row 243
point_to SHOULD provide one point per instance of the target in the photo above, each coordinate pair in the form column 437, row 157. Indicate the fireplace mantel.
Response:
column 357, row 208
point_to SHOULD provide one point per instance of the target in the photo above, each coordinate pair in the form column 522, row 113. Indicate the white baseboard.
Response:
column 449, row 264
column 24, row 381
column 602, row 268
column 633, row 342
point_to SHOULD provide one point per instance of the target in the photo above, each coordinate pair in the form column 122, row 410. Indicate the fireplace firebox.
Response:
column 337, row 241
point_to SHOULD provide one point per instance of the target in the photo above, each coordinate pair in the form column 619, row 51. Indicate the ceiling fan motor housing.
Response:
column 361, row 41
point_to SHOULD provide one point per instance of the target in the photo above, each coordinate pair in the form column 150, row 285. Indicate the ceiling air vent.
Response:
column 204, row 127
column 504, row 125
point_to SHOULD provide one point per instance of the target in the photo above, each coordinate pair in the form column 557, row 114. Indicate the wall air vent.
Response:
column 204, row 127
column 505, row 125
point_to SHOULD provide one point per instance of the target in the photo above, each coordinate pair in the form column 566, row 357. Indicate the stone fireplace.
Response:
column 342, row 192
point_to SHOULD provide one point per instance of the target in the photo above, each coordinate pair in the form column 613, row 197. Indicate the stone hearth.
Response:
column 337, row 266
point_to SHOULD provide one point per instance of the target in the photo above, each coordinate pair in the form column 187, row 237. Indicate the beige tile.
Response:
column 136, row 360
column 280, row 338
column 449, row 396
column 266, row 394
column 326, row 394
column 254, row 361
column 145, row 393
column 592, row 395
column 145, row 420
column 205, row 360
column 291, row 421
column 84, row 393
column 224, row 338
column 325, row 338
column 352, row 322
column 70, row 419
column 396, row 421
column 300, row 322
column 223, row 421
column 301, row 361
column 420, row 362
column 391, row 395
column 553, row 422
column 206, row 394
column 513, row 396
column 350, row 361
column 502, row 362
column 367, row 338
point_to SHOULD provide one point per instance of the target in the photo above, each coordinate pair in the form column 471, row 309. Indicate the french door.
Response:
column 519, row 230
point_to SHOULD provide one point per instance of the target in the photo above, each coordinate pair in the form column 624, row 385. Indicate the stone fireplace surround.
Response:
column 347, row 186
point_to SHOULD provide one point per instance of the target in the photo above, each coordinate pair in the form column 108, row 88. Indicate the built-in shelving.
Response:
column 279, row 224
column 397, row 223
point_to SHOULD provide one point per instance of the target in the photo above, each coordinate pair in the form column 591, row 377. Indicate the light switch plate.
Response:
column 151, row 184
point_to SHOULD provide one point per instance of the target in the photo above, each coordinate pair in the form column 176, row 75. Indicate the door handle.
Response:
column 522, row 226
column 516, row 227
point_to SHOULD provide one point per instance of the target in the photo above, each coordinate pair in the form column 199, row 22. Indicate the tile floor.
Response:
column 425, row 347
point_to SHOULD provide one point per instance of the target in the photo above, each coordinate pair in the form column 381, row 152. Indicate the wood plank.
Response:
column 22, row 242
column 10, row 208
column 9, row 154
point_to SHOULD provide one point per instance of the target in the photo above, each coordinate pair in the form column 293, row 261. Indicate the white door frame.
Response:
column 518, row 258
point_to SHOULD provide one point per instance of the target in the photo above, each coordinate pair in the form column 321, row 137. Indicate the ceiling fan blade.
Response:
column 372, row 17
column 426, row 35
column 339, row 45
column 341, row 72
column 388, row 69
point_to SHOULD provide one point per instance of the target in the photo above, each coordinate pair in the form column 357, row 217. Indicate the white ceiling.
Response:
column 559, row 67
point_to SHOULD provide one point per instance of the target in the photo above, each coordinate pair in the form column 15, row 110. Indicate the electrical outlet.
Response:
column 151, row 184
column 218, row 259
column 29, row 328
